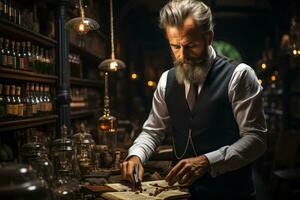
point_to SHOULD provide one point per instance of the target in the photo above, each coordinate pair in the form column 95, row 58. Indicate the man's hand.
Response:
column 188, row 170
column 128, row 166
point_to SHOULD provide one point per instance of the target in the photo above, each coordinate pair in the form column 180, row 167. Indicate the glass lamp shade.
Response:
column 82, row 25
column 111, row 65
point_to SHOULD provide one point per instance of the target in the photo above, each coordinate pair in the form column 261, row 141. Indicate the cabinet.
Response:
column 68, row 85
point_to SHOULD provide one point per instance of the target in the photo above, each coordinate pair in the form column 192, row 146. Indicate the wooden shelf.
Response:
column 84, row 112
column 86, row 82
column 14, row 74
column 21, row 32
column 83, row 52
column 12, row 125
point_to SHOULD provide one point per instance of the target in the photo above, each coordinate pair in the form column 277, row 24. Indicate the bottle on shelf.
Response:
column 7, row 101
column 20, row 106
column 9, row 56
column 2, row 103
column 47, row 62
column 21, row 58
column 37, row 59
column 29, row 56
column 5, row 9
column 19, row 17
column 42, row 103
column 37, row 98
column 1, row 8
column 32, row 62
column 42, row 67
column 49, row 100
column 29, row 104
column 1, row 49
column 14, row 55
column 33, row 99
column 9, row 5
column 4, row 52
column 18, row 55
column 14, row 103
column 25, row 57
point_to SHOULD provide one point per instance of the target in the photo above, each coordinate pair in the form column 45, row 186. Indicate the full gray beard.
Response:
column 195, row 74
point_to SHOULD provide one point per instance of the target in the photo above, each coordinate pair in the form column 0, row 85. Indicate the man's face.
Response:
column 189, row 46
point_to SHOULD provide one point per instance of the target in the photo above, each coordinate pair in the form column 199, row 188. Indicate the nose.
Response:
column 182, row 54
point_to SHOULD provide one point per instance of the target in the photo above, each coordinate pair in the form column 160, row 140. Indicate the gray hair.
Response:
column 175, row 12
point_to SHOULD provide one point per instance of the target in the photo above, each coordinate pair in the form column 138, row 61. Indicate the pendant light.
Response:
column 112, row 64
column 82, row 25
column 108, row 123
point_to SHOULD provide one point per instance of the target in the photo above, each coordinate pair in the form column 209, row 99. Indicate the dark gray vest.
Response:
column 212, row 123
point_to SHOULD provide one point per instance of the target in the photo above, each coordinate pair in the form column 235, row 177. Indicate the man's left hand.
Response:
column 186, row 171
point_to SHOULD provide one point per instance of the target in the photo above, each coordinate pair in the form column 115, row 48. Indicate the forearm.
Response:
column 145, row 144
column 239, row 154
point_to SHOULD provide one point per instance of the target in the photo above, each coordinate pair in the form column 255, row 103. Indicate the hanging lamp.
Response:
column 112, row 64
column 108, row 123
column 82, row 25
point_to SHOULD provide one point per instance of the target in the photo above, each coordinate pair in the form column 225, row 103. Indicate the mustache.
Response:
column 189, row 61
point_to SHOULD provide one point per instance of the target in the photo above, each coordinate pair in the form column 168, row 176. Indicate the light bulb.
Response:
column 113, row 66
column 133, row 76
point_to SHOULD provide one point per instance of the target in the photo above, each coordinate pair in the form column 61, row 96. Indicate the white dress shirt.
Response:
column 245, row 95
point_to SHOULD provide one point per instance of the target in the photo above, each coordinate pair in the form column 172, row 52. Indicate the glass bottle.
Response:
column 14, row 103
column 107, row 123
column 49, row 105
column 41, row 96
column 33, row 99
column 37, row 97
column 42, row 62
column 28, row 101
column 65, row 186
column 84, row 145
column 9, row 55
column 33, row 58
column 36, row 154
column 1, row 50
column 1, row 8
column 37, row 59
column 2, row 103
column 29, row 56
column 25, row 56
column 8, row 102
column 5, row 9
column 21, row 57
column 19, row 102
column 14, row 55
column 18, row 55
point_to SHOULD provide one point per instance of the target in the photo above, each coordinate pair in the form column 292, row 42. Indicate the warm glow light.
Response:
column 113, row 66
column 295, row 52
column 151, row 83
column 260, row 81
column 81, row 27
column 273, row 78
column 298, row 52
column 263, row 66
column 133, row 76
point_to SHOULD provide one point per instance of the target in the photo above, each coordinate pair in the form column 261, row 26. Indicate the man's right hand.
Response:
column 127, row 168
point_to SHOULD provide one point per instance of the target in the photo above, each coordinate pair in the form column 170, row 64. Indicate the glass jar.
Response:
column 66, row 185
column 84, row 145
column 36, row 155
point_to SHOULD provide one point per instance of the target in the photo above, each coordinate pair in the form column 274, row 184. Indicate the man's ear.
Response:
column 210, row 37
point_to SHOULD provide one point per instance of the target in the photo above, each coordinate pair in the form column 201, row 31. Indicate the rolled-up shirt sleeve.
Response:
column 245, row 95
column 155, row 126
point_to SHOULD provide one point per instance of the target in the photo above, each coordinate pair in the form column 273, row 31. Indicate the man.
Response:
column 213, row 107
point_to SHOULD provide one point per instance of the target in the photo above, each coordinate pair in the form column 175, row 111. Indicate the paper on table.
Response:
column 126, row 192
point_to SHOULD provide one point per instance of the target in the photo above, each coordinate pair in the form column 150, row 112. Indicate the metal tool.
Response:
column 137, row 183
